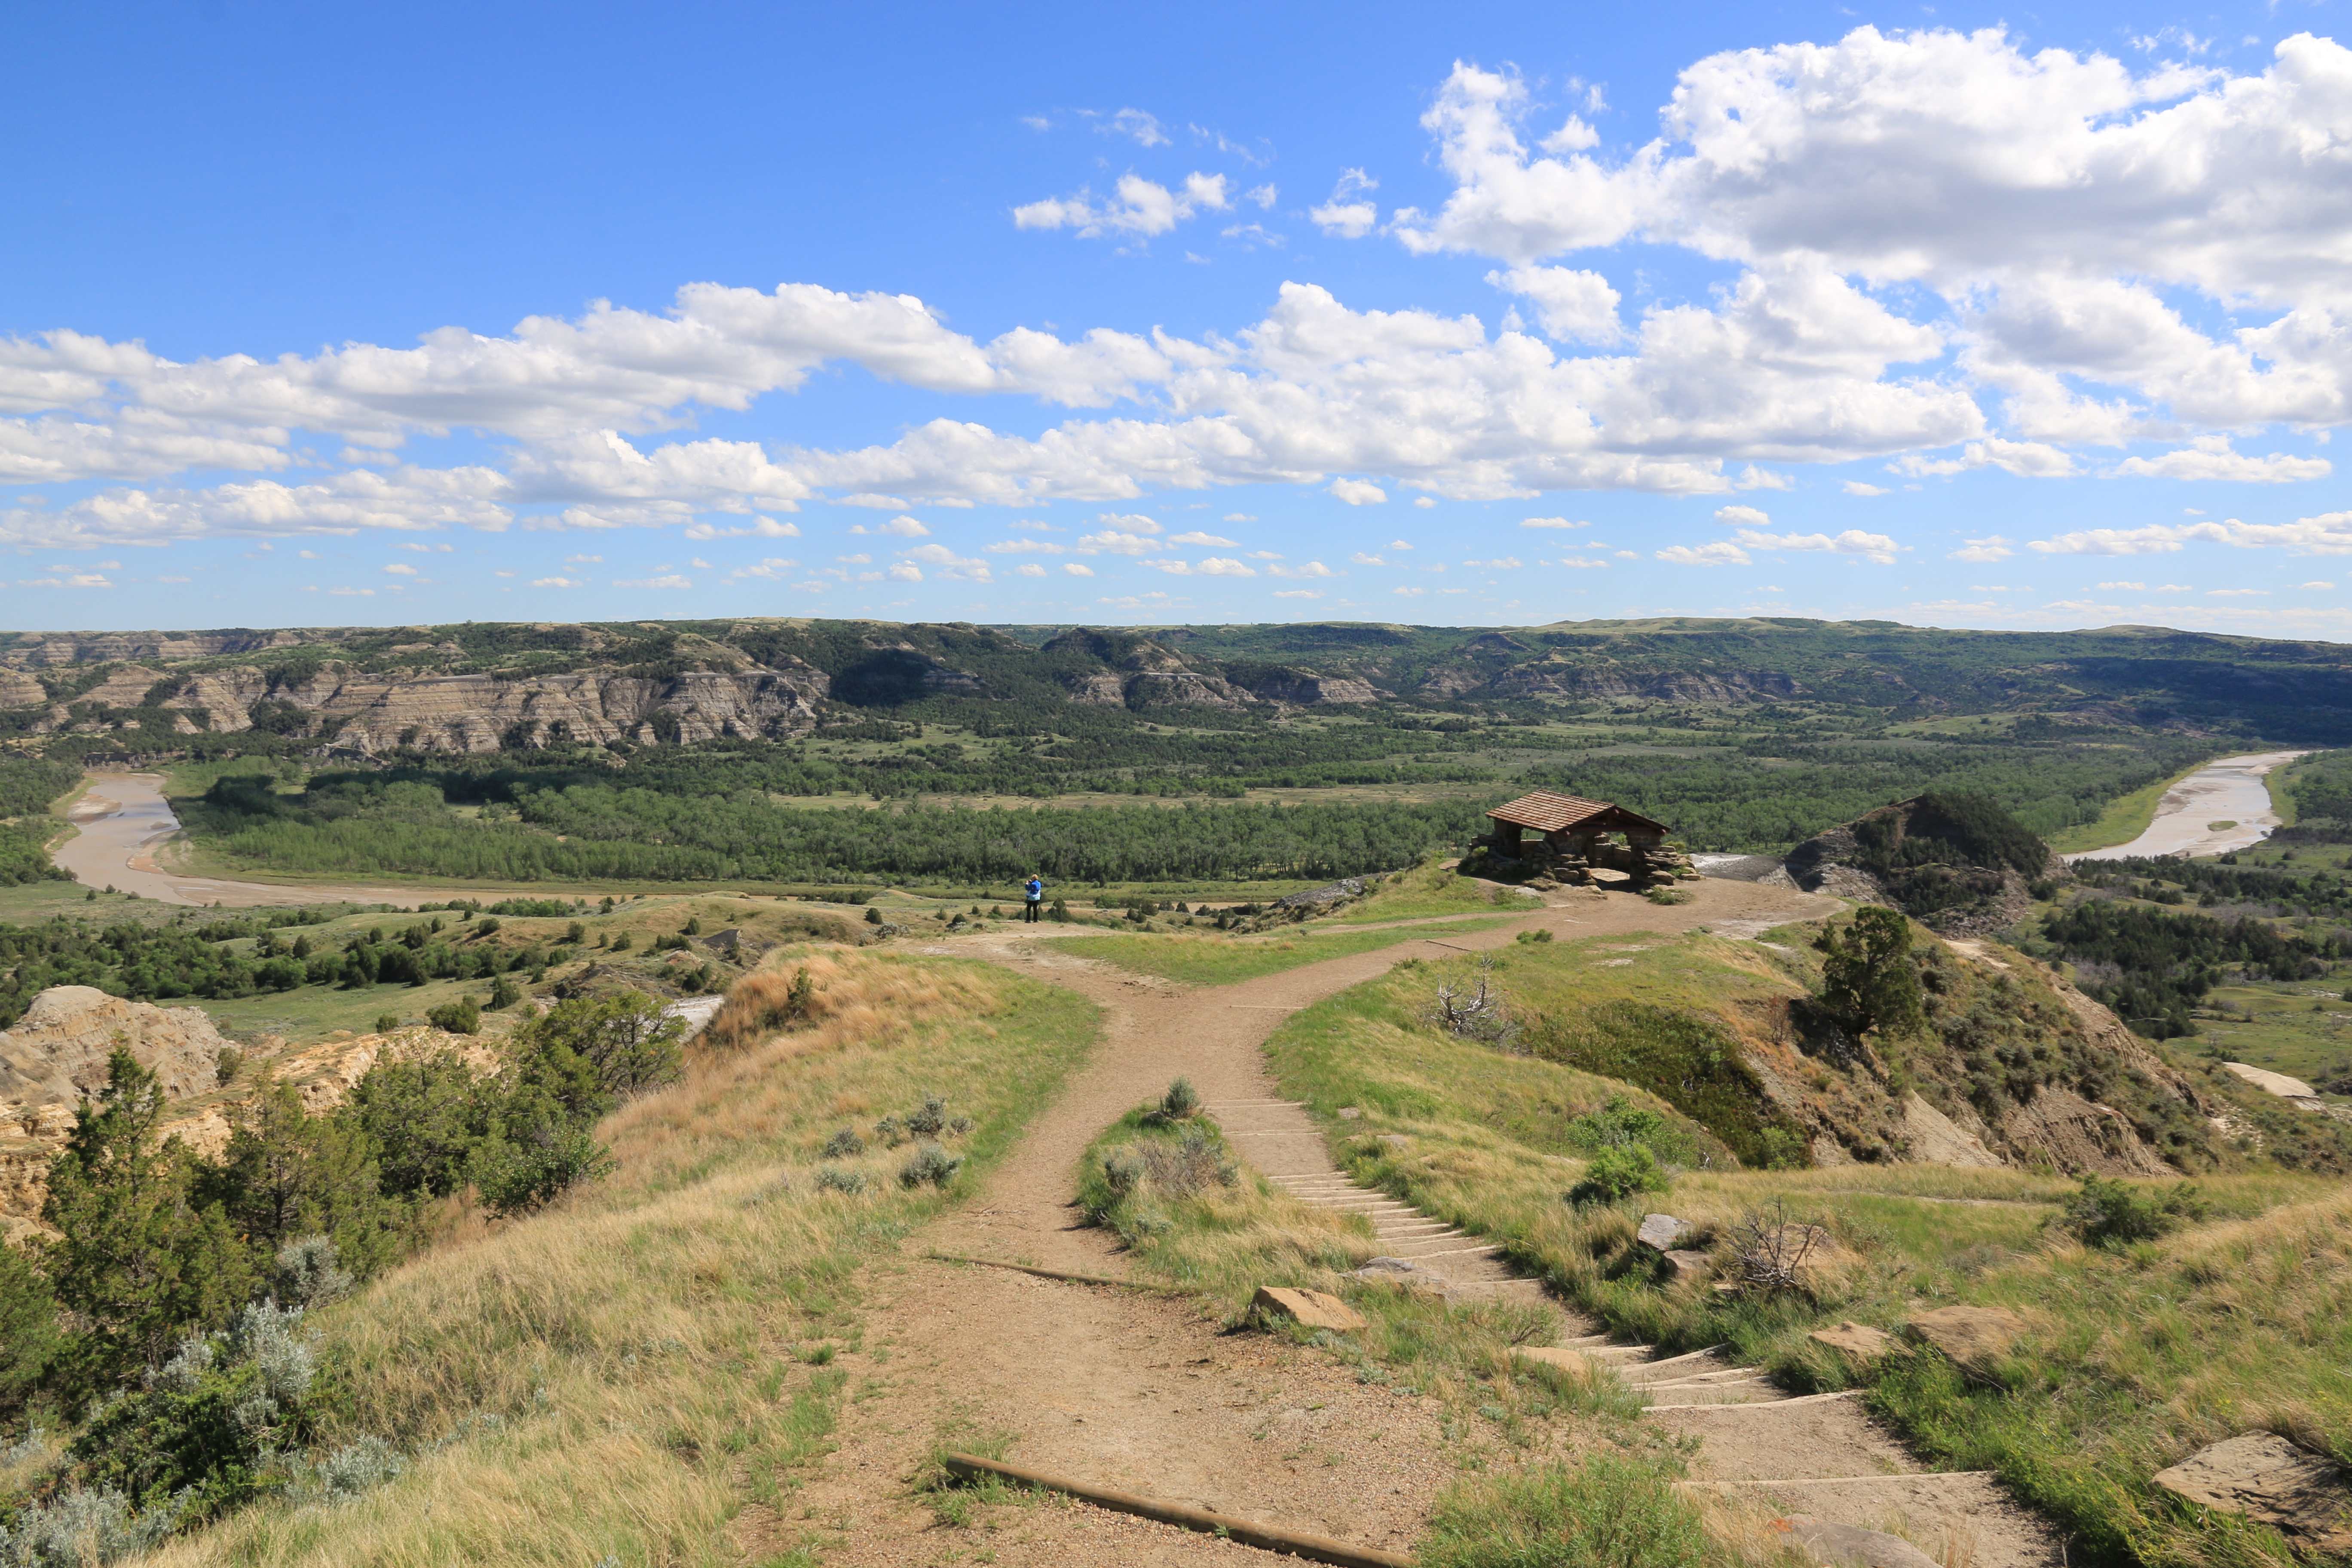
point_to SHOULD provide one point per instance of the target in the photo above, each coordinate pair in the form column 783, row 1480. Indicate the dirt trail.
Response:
column 1133, row 1391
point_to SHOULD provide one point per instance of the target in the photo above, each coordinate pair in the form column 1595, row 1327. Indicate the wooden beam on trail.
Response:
column 1265, row 1537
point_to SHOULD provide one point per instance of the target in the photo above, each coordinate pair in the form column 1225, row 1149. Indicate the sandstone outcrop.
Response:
column 56, row 1055
column 57, row 1051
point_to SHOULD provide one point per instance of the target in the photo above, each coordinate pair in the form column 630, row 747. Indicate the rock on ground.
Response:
column 1858, row 1342
column 2268, row 1479
column 1310, row 1308
column 1970, row 1337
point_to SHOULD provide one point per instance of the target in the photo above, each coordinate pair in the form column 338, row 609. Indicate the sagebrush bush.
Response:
column 83, row 1529
column 1180, row 1167
column 930, row 1164
column 845, row 1144
column 838, row 1179
column 929, row 1119
column 1179, row 1103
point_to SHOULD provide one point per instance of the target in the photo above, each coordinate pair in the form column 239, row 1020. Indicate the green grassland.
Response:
column 2134, row 1358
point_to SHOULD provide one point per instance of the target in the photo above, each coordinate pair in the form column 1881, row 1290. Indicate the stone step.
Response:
column 1801, row 1399
column 1746, row 1391
column 1707, row 1380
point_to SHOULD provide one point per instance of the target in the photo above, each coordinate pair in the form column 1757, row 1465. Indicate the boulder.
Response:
column 1970, row 1337
column 1660, row 1232
column 1560, row 1356
column 1850, row 1545
column 2267, row 1478
column 1309, row 1309
column 1684, row 1264
column 1862, row 1345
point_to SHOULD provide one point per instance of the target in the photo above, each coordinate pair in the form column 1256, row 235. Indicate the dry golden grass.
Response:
column 629, row 1372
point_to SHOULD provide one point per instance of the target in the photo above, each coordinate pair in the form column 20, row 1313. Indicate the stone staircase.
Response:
column 1814, row 1459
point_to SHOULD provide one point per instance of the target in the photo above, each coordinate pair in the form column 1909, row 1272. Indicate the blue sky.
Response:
column 1498, row 314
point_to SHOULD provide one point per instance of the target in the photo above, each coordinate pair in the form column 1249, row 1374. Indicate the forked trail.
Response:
column 1140, row 1393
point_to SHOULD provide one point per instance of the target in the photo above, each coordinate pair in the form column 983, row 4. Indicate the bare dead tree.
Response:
column 1474, row 1015
column 1768, row 1254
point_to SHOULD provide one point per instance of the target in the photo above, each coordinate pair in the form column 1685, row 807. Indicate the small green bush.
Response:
column 1667, row 896
column 873, row 916
column 890, row 1130
column 844, row 1144
column 2108, row 1213
column 504, row 993
column 834, row 1179
column 1533, row 936
column 1617, row 1173
column 385, row 1023
column 1180, row 1103
column 463, row 1016
column 929, row 1119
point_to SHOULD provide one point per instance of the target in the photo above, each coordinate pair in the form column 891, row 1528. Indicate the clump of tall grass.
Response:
column 1610, row 1510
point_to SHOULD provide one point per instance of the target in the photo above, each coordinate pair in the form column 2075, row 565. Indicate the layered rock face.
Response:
column 383, row 712
column 57, row 1051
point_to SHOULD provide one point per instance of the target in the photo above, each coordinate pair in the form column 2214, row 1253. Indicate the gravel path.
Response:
column 1144, row 1394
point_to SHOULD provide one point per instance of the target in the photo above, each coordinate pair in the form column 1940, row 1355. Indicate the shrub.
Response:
column 1180, row 1167
column 1180, row 1103
column 930, row 1164
column 463, row 1016
column 385, row 1023
column 355, row 1467
column 890, row 1130
column 1533, row 936
column 1667, row 896
column 83, row 1528
column 844, row 1144
column 1618, row 1173
column 873, row 916
column 212, row 1421
column 622, row 942
column 834, row 1179
column 1611, row 1511
column 308, row 1273
column 626, row 1040
column 532, row 1159
column 1620, row 1124
column 929, row 1119
column 2108, row 1213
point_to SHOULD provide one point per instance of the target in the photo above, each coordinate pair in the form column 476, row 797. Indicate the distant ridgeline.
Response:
column 690, row 751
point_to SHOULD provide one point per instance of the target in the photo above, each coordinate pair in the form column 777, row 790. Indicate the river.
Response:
column 125, row 822
column 2230, row 791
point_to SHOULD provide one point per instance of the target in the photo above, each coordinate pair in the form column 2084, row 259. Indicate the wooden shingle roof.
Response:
column 1545, row 812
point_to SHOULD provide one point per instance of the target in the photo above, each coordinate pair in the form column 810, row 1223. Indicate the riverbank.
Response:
column 2223, row 805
